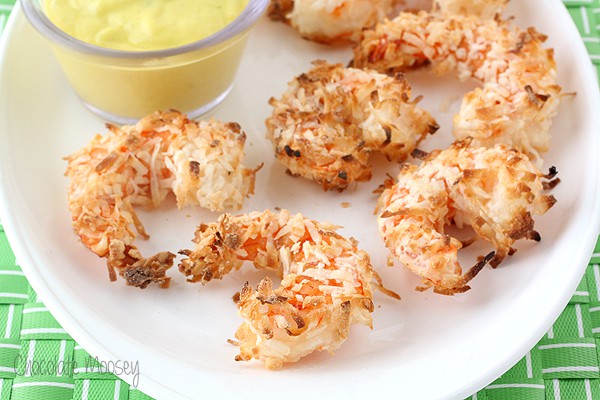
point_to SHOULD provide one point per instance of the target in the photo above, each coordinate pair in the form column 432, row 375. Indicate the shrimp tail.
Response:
column 137, row 270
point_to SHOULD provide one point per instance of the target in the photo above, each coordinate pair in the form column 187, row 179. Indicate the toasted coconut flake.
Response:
column 496, row 191
column 520, row 95
column 330, row 119
column 330, row 21
column 325, row 288
column 138, row 165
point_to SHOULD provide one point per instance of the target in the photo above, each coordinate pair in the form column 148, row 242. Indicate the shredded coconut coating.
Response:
column 480, row 8
column 326, row 285
column 494, row 190
column 330, row 21
column 330, row 119
column 519, row 97
column 138, row 165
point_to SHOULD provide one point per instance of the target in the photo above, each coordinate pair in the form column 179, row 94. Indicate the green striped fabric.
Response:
column 42, row 387
column 97, row 389
column 5, row 8
column 564, row 364
column 40, row 361
column 596, row 254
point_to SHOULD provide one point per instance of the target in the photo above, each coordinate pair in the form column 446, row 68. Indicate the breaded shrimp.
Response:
column 138, row 165
column 326, row 284
column 520, row 94
column 480, row 8
column 494, row 190
column 330, row 21
column 331, row 118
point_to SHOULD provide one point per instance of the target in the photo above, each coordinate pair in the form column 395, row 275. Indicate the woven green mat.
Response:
column 40, row 361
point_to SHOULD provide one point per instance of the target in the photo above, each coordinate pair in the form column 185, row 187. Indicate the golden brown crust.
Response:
column 325, row 288
column 138, row 165
column 520, row 95
column 496, row 191
column 330, row 22
column 331, row 118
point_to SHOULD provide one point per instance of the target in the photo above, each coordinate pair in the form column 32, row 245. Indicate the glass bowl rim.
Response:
column 248, row 17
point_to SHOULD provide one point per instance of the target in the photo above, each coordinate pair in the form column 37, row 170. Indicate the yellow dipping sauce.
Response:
column 140, row 25
column 125, row 87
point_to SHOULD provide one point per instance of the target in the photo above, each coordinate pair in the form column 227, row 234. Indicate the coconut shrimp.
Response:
column 330, row 119
column 494, row 190
column 138, row 165
column 519, row 96
column 330, row 21
column 483, row 8
column 326, row 284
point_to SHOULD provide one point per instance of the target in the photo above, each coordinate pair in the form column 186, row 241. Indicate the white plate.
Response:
column 425, row 346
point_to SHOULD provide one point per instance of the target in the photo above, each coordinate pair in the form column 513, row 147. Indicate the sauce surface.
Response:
column 141, row 25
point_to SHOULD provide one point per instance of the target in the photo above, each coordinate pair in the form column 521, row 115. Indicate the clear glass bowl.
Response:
column 123, row 86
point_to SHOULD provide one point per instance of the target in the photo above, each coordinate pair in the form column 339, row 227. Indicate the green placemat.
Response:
column 40, row 361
